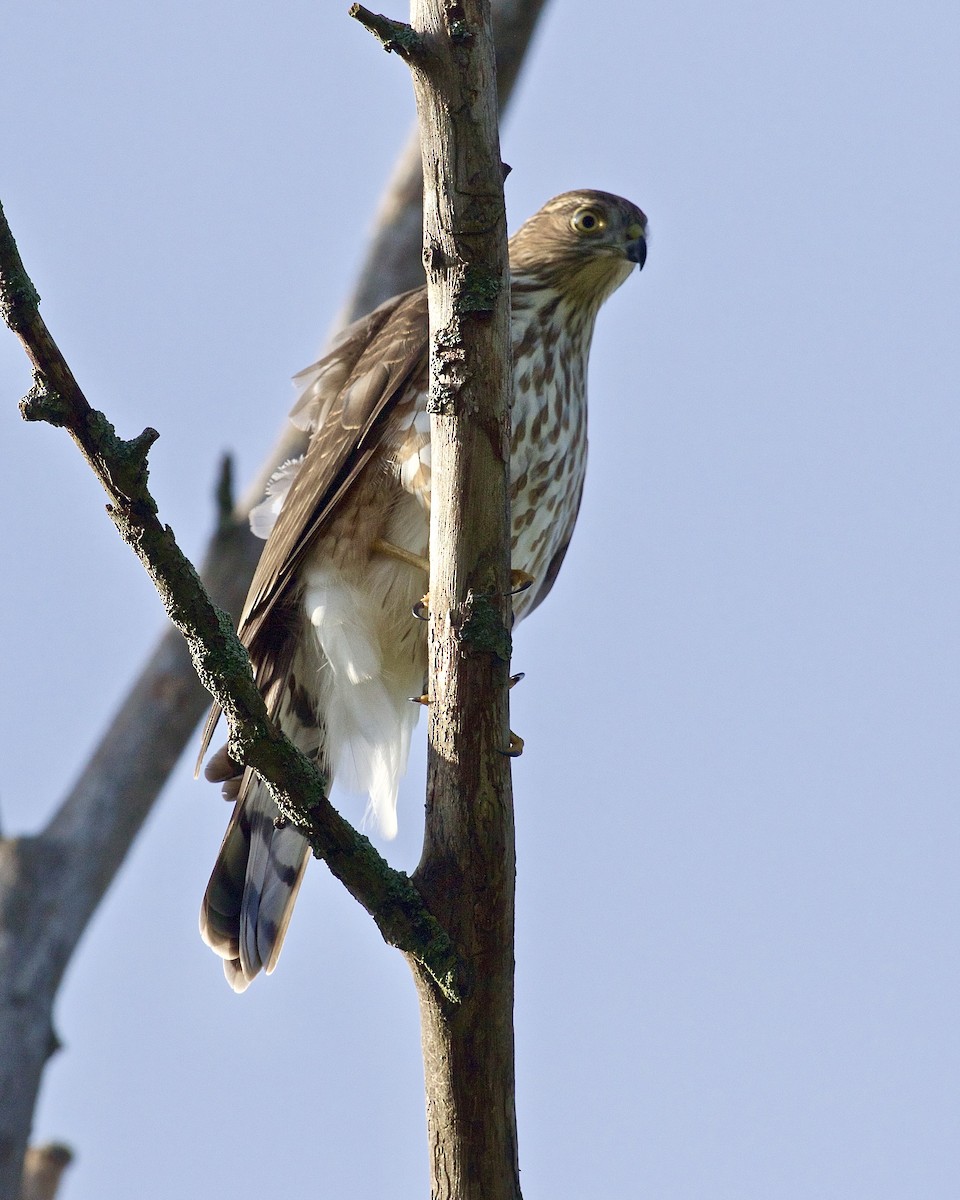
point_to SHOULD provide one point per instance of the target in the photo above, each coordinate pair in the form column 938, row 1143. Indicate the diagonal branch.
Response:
column 218, row 657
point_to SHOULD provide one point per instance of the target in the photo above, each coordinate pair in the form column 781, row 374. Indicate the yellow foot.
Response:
column 514, row 746
column 512, row 681
column 520, row 581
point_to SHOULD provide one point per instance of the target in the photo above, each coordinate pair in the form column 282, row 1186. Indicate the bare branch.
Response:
column 468, row 864
column 392, row 35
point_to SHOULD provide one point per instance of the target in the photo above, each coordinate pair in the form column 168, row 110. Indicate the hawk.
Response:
column 327, row 621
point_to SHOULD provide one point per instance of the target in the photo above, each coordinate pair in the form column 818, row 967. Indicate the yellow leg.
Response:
column 379, row 546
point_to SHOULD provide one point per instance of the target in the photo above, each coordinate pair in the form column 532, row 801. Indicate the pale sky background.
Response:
column 737, row 809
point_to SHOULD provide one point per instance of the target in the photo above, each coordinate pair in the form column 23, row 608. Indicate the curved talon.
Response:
column 424, row 699
column 515, row 679
column 421, row 609
column 520, row 581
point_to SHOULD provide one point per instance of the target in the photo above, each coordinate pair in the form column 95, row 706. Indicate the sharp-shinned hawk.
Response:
column 327, row 621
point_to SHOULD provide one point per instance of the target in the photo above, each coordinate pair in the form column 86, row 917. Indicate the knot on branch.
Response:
column 130, row 468
column 42, row 403
column 124, row 463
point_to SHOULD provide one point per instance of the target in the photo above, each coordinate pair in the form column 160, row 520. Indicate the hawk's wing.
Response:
column 351, row 393
column 347, row 398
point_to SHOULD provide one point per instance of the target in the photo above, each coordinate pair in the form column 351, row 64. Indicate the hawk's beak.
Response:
column 636, row 250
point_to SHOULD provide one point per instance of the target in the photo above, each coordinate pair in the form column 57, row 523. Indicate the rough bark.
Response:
column 467, row 869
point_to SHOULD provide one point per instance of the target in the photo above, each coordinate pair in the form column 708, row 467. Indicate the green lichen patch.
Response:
column 479, row 291
column 482, row 630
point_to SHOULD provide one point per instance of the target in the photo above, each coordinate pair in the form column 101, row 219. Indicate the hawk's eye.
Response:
column 588, row 221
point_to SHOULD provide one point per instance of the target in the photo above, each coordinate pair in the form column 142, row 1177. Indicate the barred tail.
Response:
column 250, row 897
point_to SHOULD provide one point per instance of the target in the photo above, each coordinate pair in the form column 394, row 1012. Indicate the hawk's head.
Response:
column 582, row 243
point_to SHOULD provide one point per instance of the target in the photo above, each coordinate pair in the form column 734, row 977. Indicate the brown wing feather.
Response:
column 370, row 366
column 340, row 448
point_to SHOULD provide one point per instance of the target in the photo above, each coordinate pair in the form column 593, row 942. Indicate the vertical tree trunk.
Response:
column 467, row 870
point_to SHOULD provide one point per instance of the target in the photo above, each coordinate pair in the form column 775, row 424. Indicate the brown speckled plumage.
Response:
column 327, row 620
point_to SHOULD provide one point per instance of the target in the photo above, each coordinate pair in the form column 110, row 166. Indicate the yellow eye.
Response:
column 588, row 221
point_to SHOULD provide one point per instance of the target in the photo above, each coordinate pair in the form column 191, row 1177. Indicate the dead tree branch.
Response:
column 468, row 865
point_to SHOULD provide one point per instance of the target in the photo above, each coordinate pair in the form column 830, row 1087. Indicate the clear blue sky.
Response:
column 737, row 809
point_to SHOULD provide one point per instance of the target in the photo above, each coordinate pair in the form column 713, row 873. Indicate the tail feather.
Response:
column 344, row 702
column 275, row 865
column 250, row 897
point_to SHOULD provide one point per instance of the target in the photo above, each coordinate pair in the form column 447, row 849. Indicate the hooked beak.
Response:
column 636, row 251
